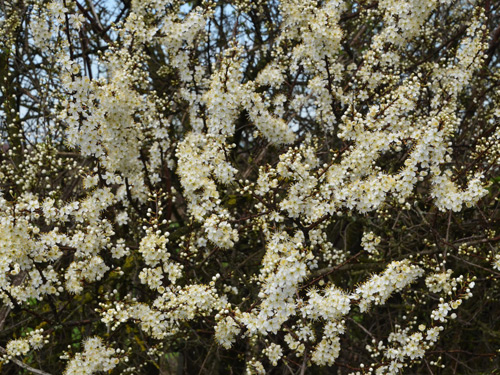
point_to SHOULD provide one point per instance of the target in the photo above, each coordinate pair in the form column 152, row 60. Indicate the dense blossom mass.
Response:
column 259, row 187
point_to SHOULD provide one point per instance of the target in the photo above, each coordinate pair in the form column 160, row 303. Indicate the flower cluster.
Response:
column 267, row 174
column 95, row 358
column 20, row 347
column 380, row 287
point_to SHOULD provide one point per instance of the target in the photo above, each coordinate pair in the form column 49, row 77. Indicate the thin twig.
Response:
column 24, row 365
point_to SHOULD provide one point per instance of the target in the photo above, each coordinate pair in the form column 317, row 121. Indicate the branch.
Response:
column 24, row 365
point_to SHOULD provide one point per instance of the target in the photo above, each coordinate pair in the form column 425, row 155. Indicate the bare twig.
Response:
column 24, row 365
